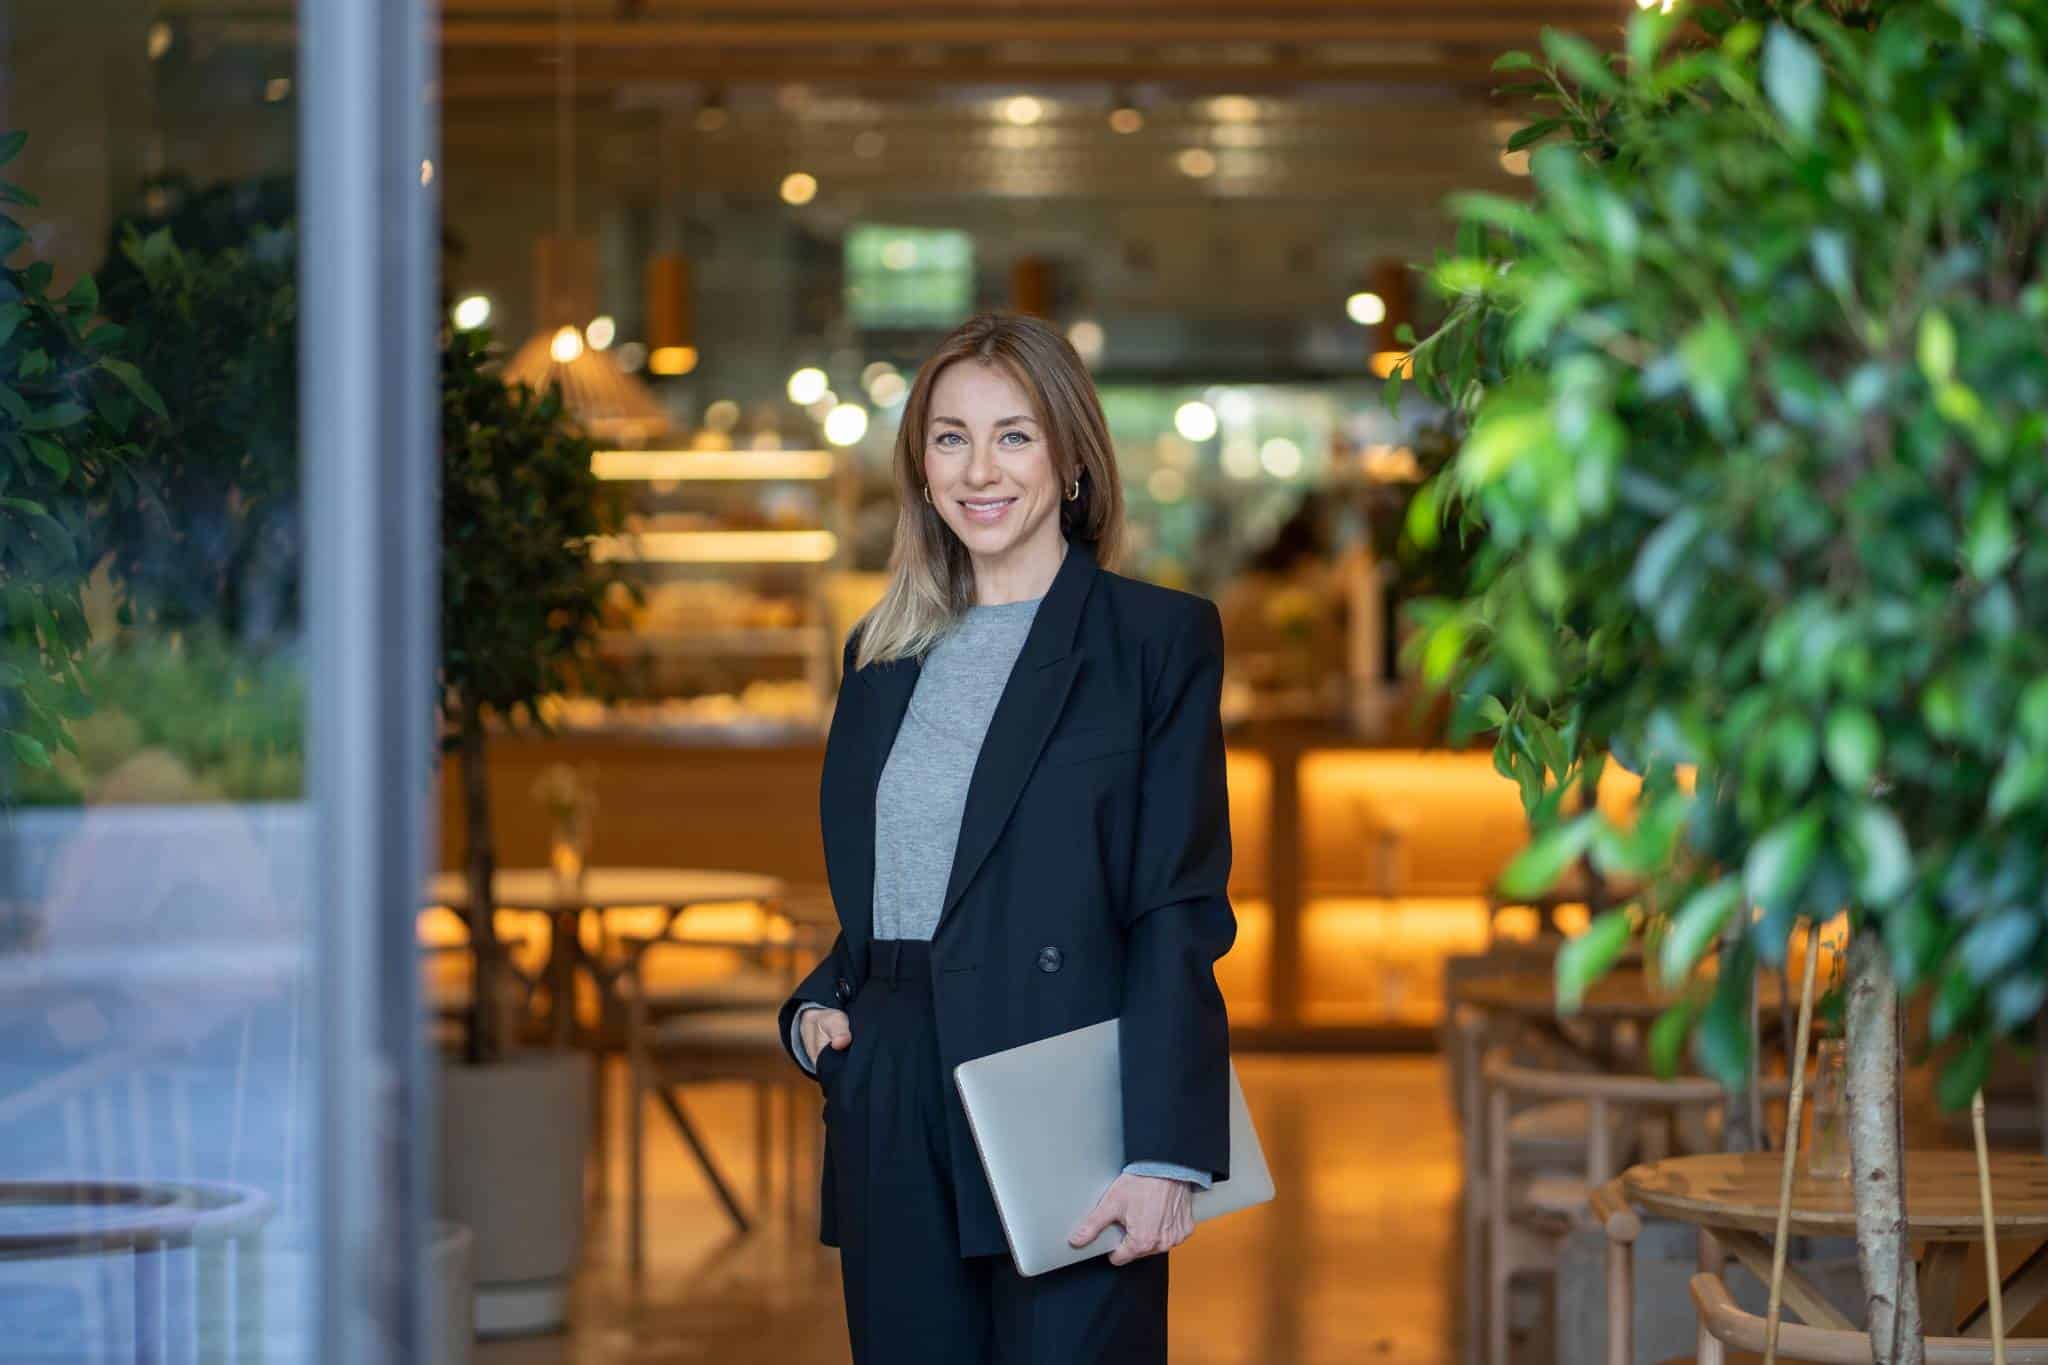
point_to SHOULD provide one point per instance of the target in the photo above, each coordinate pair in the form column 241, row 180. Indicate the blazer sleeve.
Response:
column 820, row 987
column 1175, row 1034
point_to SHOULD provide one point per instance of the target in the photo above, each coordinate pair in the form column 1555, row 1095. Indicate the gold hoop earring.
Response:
column 1074, row 492
column 928, row 493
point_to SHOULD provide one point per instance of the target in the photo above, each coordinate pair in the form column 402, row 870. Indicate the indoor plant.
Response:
column 520, row 600
column 1756, row 427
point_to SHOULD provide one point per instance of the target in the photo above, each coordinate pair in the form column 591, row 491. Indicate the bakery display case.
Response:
column 729, row 632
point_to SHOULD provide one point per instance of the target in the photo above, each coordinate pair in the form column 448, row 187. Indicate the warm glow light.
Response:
column 888, row 390
column 1384, row 363
column 1661, row 6
column 823, row 404
column 1166, row 485
column 159, row 40
column 672, row 360
column 687, row 465
column 277, row 89
column 567, row 347
column 631, row 355
column 1390, row 464
column 722, row 414
column 799, row 187
column 1198, row 162
column 872, row 371
column 1087, row 338
column 846, row 424
column 710, row 118
column 1515, row 162
column 1022, row 109
column 1233, row 109
column 471, row 312
column 1126, row 120
column 1195, row 420
column 1366, row 308
column 1281, row 457
column 806, row 386
column 716, row 547
column 427, row 172
column 1240, row 458
column 601, row 332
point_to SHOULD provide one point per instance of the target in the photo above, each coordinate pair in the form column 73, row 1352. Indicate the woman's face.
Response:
column 988, row 464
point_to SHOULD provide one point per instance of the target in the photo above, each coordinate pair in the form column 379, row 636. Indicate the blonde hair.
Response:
column 931, row 579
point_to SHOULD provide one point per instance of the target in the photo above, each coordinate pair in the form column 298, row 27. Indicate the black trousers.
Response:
column 911, row 1297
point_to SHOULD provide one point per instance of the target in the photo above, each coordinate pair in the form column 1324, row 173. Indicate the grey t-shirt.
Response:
column 923, row 791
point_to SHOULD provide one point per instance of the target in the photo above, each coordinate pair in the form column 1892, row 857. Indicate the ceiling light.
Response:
column 1281, row 457
column 1198, row 162
column 277, row 89
column 1233, row 109
column 672, row 360
column 471, row 312
column 1240, row 458
column 1022, row 109
column 710, row 118
column 1366, row 308
column 601, row 332
column 806, row 386
column 846, row 424
column 1087, row 338
column 566, row 346
column 888, row 390
column 1195, row 420
column 1166, row 485
column 798, row 187
column 874, row 370
column 631, row 355
column 721, row 414
column 1126, row 119
column 159, row 40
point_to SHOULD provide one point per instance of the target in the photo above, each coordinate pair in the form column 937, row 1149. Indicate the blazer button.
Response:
column 1049, row 959
column 843, row 989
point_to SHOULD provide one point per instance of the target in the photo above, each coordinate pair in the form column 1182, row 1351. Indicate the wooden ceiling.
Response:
column 510, row 49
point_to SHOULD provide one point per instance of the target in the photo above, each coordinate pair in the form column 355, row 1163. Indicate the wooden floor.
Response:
column 1353, row 1262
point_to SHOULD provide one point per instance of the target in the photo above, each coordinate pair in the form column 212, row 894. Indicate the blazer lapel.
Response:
column 1023, row 719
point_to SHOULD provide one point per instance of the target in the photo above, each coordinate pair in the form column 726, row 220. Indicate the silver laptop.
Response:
column 1048, row 1119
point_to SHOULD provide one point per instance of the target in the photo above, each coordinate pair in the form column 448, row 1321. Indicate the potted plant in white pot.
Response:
column 1756, row 385
column 520, row 605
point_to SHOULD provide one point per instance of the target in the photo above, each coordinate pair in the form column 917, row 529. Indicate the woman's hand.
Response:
column 822, row 1029
column 1157, row 1214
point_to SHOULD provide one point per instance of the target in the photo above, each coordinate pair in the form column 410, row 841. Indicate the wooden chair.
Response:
column 1527, row 1213
column 1729, row 1335
column 696, row 1037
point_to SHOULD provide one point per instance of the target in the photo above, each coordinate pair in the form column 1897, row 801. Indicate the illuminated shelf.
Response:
column 683, row 466
column 785, row 640
column 716, row 547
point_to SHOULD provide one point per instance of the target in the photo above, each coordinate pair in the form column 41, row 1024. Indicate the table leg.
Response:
column 709, row 1166
column 216, row 1327
column 249, row 1300
column 1941, row 1283
column 2024, row 1290
column 1801, row 1297
column 149, row 1305
column 179, row 1292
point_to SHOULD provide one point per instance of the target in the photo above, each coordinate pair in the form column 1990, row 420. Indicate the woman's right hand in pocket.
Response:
column 825, row 1028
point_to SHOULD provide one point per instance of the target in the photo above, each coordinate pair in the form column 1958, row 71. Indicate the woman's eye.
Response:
column 1022, row 439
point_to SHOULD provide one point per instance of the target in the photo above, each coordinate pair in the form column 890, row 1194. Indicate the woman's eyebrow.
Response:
column 1018, row 420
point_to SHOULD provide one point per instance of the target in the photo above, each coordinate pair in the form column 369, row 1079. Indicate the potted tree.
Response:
column 1756, row 398
column 520, row 602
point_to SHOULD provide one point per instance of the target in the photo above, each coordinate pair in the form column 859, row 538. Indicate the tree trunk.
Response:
column 486, row 1041
column 1877, row 1152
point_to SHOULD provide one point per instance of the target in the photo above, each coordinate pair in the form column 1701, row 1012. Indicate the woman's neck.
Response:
column 1021, row 573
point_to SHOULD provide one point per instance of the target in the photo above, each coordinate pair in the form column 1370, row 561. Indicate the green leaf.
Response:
column 28, row 749
column 52, row 455
column 1514, row 61
column 1695, row 927
column 1937, row 348
column 1585, row 959
column 1534, row 132
column 1712, row 356
column 1886, row 858
column 55, row 417
column 1725, row 1038
column 1580, row 60
column 1997, row 943
column 1962, row 1075
column 1793, row 79
column 11, row 145
column 83, row 296
column 1779, row 861
column 1853, row 745
column 136, row 384
column 1668, row 1035
column 1991, row 542
column 1538, row 866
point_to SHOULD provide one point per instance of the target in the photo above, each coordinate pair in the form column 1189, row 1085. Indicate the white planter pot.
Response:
column 512, row 1145
column 449, row 1265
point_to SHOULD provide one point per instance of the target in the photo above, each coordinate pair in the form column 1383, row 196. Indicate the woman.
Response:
column 1026, row 832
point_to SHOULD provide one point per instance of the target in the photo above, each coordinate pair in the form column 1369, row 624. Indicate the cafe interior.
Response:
column 725, row 235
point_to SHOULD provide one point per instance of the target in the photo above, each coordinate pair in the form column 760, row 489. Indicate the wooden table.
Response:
column 672, row 891
column 1617, row 997
column 1735, row 1197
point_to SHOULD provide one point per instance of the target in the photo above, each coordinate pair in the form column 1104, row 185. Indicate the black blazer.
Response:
column 1089, row 878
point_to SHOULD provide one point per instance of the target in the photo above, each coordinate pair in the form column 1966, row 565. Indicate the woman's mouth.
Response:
column 985, row 511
